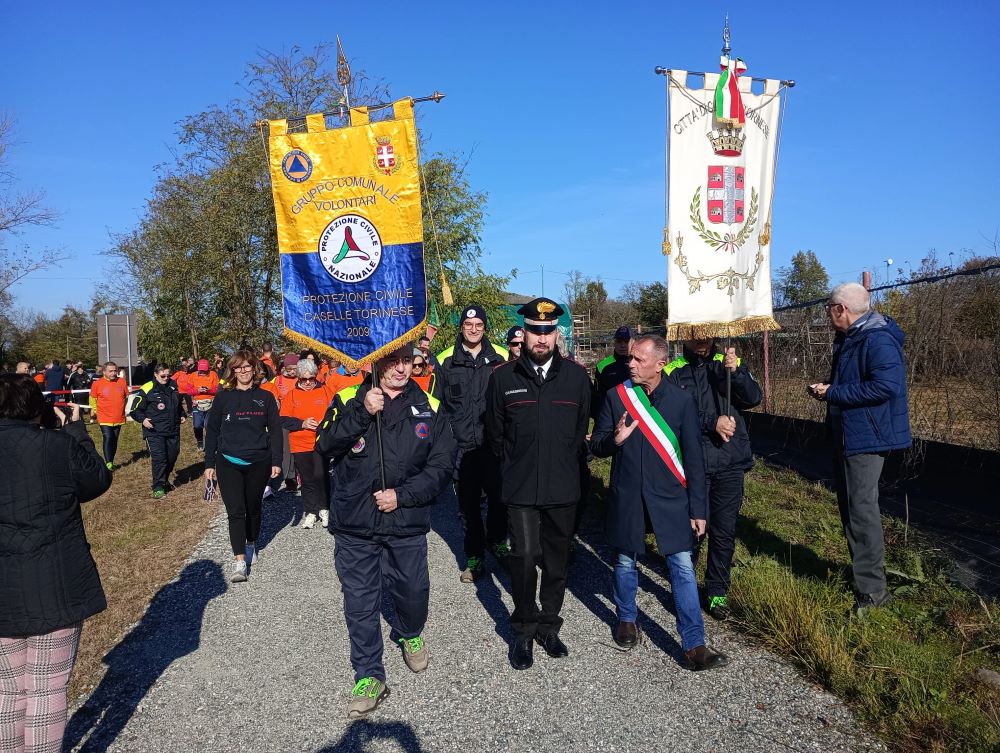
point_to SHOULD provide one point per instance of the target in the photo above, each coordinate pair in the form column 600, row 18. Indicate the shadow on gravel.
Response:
column 360, row 733
column 277, row 512
column 170, row 629
column 591, row 571
column 446, row 523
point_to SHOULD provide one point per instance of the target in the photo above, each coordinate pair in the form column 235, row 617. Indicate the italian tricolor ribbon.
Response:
column 728, row 101
column 654, row 428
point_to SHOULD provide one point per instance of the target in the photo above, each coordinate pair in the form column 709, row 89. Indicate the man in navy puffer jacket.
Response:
column 866, row 416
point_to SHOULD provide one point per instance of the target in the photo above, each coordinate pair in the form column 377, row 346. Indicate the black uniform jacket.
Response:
column 419, row 450
column 704, row 379
column 48, row 579
column 640, row 477
column 538, row 431
column 459, row 382
column 161, row 404
column 609, row 373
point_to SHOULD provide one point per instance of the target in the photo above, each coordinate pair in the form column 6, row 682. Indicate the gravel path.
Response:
column 264, row 666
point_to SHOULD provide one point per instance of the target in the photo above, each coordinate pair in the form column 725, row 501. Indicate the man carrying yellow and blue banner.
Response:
column 658, row 471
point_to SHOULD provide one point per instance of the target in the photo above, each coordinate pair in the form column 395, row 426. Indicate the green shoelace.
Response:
column 717, row 601
column 475, row 563
column 412, row 645
column 366, row 686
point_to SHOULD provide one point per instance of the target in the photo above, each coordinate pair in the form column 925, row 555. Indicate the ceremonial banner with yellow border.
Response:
column 350, row 233
column 720, row 184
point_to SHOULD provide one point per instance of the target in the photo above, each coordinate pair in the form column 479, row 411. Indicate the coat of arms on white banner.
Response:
column 721, row 147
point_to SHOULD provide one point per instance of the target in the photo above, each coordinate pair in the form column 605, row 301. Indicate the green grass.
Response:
column 908, row 669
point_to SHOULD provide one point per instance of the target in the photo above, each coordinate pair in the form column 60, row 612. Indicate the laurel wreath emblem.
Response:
column 729, row 241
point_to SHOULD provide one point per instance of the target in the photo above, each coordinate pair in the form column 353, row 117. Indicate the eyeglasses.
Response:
column 828, row 305
column 243, row 367
column 418, row 364
column 472, row 326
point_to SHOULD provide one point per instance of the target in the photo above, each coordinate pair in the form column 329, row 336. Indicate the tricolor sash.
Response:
column 654, row 428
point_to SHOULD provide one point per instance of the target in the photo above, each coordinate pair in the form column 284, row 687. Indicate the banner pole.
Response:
column 378, row 441
column 729, row 382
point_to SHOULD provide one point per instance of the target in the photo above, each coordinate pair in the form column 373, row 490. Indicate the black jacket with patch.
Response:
column 418, row 449
column 162, row 405
column 459, row 382
column 537, row 431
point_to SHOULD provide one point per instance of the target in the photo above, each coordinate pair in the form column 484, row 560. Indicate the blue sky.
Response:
column 889, row 145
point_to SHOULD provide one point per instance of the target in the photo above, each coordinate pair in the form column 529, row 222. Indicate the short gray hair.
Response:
column 660, row 347
column 853, row 296
column 306, row 368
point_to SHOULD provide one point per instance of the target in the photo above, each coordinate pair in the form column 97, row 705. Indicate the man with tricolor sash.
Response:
column 657, row 472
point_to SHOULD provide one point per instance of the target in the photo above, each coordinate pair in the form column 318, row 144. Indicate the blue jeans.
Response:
column 683, row 585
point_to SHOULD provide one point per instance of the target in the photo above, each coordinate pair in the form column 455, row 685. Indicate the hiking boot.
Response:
column 239, row 572
column 324, row 518
column 718, row 608
column 415, row 653
column 159, row 494
column 702, row 657
column 250, row 552
column 474, row 569
column 863, row 603
column 308, row 520
column 368, row 693
column 201, row 446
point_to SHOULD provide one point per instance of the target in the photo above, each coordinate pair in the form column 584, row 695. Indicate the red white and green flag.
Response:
column 654, row 428
column 728, row 101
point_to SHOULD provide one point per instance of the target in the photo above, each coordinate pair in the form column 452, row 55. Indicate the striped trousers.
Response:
column 34, row 675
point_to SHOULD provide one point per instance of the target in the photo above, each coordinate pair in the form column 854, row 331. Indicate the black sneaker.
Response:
column 865, row 602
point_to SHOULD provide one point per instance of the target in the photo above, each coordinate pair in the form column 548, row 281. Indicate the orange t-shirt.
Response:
column 323, row 372
column 424, row 381
column 40, row 378
column 108, row 398
column 305, row 404
column 180, row 377
column 209, row 381
column 337, row 382
column 279, row 387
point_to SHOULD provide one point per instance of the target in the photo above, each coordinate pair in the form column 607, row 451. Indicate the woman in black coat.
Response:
column 48, row 579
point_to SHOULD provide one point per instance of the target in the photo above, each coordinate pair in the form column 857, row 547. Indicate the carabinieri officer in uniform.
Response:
column 537, row 412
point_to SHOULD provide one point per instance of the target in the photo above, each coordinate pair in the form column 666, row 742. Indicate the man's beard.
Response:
column 540, row 358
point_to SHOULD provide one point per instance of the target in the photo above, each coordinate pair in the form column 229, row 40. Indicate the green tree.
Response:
column 805, row 279
column 651, row 304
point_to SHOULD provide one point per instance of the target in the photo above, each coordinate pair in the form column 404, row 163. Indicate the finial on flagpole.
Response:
column 725, row 38
column 343, row 73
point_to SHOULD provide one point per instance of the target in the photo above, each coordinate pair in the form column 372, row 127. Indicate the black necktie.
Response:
column 541, row 375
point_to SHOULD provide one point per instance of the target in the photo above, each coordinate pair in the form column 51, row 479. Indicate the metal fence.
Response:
column 952, row 325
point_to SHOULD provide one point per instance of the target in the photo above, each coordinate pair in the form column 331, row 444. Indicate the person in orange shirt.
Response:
column 421, row 373
column 180, row 378
column 324, row 371
column 280, row 386
column 267, row 359
column 337, row 382
column 107, row 401
column 301, row 411
column 202, row 386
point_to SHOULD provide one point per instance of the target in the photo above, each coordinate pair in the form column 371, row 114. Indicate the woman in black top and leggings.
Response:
column 243, row 446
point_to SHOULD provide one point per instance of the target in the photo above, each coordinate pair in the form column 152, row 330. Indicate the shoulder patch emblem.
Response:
column 359, row 445
column 422, row 430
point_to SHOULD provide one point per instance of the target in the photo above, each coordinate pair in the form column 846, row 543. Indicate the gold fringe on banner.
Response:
column 323, row 349
column 665, row 247
column 705, row 330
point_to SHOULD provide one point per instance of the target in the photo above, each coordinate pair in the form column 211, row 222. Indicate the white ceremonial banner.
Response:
column 720, row 184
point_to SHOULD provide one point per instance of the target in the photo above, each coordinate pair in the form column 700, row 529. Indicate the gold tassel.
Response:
column 446, row 296
column 665, row 248
column 765, row 235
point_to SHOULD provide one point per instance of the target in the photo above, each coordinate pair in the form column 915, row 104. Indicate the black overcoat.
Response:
column 639, row 477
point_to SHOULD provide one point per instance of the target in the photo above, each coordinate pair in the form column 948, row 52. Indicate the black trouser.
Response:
column 363, row 563
column 163, row 451
column 538, row 535
column 110, row 435
column 857, row 478
column 312, row 467
column 725, row 497
column 478, row 473
column 242, row 488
